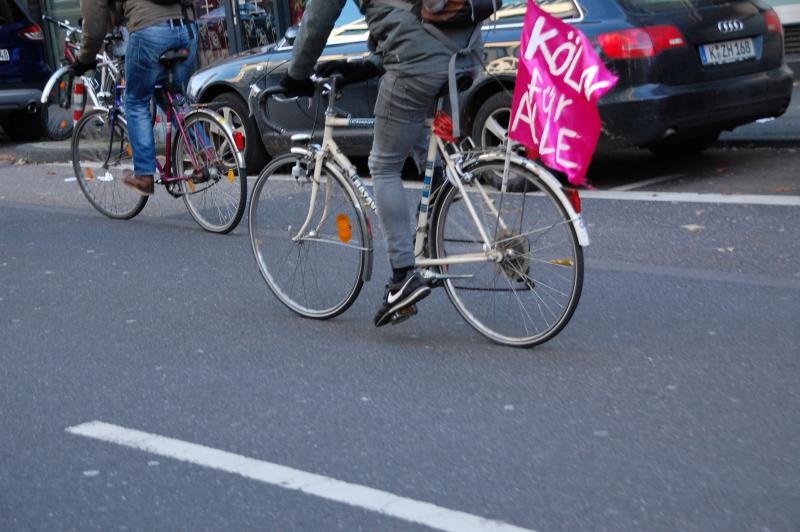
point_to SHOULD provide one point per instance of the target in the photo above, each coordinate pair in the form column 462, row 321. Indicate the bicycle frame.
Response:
column 453, row 163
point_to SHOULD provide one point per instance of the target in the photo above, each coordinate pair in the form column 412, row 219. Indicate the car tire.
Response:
column 491, row 120
column 23, row 126
column 685, row 147
column 234, row 112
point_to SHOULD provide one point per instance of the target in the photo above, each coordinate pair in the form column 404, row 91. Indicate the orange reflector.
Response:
column 62, row 124
column 231, row 175
column 344, row 227
column 62, row 85
column 89, row 174
column 562, row 262
column 129, row 150
column 190, row 184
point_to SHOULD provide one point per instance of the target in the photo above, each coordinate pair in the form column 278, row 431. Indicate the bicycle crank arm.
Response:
column 428, row 274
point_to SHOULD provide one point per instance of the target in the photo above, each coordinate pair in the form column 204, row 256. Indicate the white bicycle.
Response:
column 501, row 234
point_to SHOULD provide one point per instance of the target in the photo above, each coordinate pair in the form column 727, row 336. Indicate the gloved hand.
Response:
column 351, row 71
column 296, row 87
column 78, row 68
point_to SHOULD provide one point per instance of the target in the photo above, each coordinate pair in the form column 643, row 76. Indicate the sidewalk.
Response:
column 781, row 132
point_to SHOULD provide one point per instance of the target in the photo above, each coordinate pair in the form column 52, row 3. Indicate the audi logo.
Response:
column 730, row 26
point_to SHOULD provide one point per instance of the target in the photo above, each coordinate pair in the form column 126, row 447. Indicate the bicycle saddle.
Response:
column 170, row 58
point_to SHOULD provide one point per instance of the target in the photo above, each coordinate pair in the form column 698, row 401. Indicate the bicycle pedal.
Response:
column 403, row 314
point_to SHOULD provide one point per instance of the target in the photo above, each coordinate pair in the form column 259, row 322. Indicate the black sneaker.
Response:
column 400, row 295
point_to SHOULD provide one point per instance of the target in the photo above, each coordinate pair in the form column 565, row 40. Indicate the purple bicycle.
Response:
column 204, row 164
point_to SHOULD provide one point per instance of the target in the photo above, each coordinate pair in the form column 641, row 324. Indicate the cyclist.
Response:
column 155, row 27
column 416, row 68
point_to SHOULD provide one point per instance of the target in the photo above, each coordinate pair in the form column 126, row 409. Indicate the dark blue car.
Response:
column 23, row 72
column 688, row 70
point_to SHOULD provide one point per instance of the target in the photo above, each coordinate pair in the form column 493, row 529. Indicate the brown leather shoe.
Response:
column 143, row 184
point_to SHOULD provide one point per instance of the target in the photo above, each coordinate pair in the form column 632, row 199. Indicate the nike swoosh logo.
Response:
column 391, row 298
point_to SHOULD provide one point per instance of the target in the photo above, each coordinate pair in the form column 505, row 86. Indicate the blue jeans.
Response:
column 142, row 73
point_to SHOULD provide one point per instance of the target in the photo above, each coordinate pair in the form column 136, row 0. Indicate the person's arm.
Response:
column 95, row 27
column 318, row 21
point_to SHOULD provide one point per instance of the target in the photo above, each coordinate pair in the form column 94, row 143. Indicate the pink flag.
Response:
column 559, row 80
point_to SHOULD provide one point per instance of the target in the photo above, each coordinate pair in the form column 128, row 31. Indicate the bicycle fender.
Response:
column 218, row 118
column 576, row 219
column 52, row 83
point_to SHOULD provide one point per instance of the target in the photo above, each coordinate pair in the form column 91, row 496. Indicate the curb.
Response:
column 45, row 152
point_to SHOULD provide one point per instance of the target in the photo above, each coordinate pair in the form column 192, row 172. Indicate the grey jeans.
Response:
column 404, row 103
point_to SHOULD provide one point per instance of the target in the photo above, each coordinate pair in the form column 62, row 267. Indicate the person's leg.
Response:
column 142, row 72
column 404, row 103
column 183, row 70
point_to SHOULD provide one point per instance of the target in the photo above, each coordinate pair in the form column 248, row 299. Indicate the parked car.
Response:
column 23, row 72
column 688, row 69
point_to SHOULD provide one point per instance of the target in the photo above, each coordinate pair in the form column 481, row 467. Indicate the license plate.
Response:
column 4, row 54
column 721, row 53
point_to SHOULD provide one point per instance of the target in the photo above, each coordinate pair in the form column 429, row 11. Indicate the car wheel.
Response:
column 234, row 112
column 491, row 121
column 24, row 126
column 685, row 147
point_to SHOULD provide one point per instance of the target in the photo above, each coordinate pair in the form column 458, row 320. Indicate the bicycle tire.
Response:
column 319, row 278
column 216, row 198
column 58, row 118
column 530, row 294
column 99, row 156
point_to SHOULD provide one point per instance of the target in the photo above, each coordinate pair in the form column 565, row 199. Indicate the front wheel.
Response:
column 215, row 184
column 100, row 153
column 528, row 293
column 316, row 264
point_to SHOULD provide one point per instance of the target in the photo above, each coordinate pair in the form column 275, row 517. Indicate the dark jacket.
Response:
column 397, row 35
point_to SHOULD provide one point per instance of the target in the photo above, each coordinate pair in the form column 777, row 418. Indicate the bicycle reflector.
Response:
column 231, row 175
column 238, row 138
column 344, row 227
column 574, row 198
column 443, row 126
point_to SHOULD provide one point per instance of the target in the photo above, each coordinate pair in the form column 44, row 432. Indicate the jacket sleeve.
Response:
column 95, row 27
column 318, row 21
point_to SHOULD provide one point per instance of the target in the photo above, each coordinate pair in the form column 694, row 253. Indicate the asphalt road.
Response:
column 670, row 401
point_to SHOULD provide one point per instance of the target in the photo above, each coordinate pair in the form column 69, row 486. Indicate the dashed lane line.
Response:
column 364, row 497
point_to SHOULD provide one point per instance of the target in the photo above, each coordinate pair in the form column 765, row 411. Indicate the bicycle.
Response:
column 57, row 93
column 204, row 164
column 501, row 234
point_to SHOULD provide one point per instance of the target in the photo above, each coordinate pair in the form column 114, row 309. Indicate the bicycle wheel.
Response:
column 58, row 117
column 319, row 273
column 529, row 294
column 216, row 189
column 100, row 152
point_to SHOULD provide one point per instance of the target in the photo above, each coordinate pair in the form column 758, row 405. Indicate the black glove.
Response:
column 351, row 71
column 296, row 87
column 78, row 68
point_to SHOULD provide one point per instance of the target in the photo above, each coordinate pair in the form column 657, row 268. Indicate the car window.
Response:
column 10, row 12
column 662, row 6
column 514, row 12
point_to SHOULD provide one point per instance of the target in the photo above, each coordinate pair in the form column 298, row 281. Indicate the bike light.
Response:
column 773, row 21
column 443, row 126
column 574, row 198
column 238, row 138
column 635, row 43
column 31, row 33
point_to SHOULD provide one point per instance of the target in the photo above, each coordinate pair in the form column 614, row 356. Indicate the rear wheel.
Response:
column 215, row 190
column 528, row 293
column 100, row 153
column 491, row 121
column 319, row 273
column 57, row 115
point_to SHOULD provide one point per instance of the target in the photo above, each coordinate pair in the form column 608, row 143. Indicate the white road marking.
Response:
column 648, row 182
column 379, row 501
column 70, row 179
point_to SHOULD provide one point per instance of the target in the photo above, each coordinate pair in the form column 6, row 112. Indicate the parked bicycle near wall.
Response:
column 501, row 234
column 99, row 87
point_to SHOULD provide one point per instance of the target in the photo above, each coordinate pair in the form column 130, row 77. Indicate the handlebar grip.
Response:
column 261, row 97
